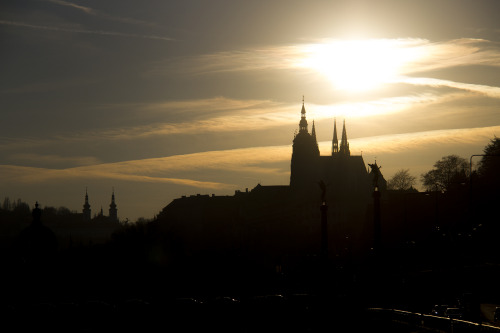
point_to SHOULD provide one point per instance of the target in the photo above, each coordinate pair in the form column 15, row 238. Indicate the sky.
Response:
column 159, row 99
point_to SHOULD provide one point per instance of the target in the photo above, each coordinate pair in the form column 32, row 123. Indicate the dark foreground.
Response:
column 271, row 313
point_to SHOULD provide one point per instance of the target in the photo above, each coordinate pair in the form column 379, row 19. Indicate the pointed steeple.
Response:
column 313, row 132
column 303, row 121
column 344, row 144
column 86, row 207
column 113, row 212
column 335, row 141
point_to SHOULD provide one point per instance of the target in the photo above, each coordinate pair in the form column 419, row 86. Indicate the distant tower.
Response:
column 344, row 145
column 86, row 207
column 113, row 212
column 335, row 141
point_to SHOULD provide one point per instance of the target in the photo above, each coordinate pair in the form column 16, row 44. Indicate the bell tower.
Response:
column 305, row 155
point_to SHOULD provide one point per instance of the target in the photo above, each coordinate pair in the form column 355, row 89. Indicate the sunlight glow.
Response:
column 360, row 65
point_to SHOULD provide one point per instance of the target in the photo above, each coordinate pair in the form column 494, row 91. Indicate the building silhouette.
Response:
column 281, row 224
column 345, row 175
column 113, row 211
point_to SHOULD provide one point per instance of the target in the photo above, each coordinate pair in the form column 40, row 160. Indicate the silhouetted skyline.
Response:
column 160, row 100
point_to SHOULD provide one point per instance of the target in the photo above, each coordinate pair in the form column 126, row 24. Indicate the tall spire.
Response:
column 86, row 207
column 313, row 131
column 335, row 141
column 303, row 121
column 113, row 212
column 344, row 145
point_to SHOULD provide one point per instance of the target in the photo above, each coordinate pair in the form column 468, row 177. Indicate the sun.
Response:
column 360, row 65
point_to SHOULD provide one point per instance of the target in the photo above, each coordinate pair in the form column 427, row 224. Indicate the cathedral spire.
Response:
column 313, row 131
column 303, row 121
column 335, row 141
column 344, row 144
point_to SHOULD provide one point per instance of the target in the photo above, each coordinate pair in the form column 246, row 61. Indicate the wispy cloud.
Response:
column 19, row 174
column 53, row 160
column 455, row 53
column 220, row 115
column 83, row 31
column 100, row 14
column 476, row 88
column 412, row 56
column 87, row 10
column 248, row 161
column 397, row 143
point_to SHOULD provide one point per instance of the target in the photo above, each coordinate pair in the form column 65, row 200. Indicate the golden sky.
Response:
column 163, row 99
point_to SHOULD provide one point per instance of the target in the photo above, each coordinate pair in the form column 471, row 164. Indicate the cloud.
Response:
column 476, row 88
column 415, row 54
column 32, row 175
column 219, row 115
column 84, row 9
column 244, row 162
column 84, row 31
column 397, row 143
column 408, row 56
column 454, row 53
column 53, row 160
column 94, row 12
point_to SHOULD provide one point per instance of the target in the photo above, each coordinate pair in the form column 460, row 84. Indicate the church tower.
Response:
column 86, row 207
column 335, row 141
column 305, row 155
column 344, row 144
column 113, row 212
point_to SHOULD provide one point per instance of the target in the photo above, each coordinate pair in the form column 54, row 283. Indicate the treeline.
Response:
column 21, row 208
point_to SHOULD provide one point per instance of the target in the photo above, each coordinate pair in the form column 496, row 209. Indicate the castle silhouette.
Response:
column 279, row 223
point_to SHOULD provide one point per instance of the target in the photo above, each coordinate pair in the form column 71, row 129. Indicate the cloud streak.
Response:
column 397, row 143
column 83, row 31
column 32, row 175
column 475, row 88
column 54, row 160
column 96, row 13
column 248, row 161
column 84, row 9
column 219, row 115
column 415, row 56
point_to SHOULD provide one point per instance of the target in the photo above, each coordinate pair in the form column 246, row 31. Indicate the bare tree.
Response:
column 401, row 181
column 449, row 170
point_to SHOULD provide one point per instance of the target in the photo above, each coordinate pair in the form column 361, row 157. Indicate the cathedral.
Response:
column 274, row 222
column 345, row 176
